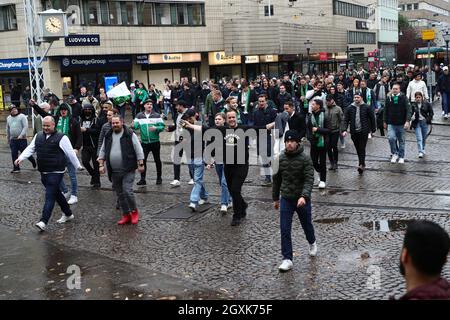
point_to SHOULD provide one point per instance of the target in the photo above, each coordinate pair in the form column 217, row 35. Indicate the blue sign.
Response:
column 82, row 40
column 107, row 62
column 13, row 64
column 109, row 82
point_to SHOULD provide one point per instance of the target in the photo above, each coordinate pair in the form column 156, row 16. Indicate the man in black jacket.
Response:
column 90, row 130
column 361, row 119
column 282, row 97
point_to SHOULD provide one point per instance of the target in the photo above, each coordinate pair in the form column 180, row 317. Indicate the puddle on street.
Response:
column 331, row 220
column 387, row 225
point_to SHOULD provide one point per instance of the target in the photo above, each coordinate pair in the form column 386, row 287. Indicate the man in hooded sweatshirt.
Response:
column 90, row 131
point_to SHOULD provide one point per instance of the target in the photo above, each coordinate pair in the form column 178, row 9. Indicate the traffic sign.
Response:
column 428, row 34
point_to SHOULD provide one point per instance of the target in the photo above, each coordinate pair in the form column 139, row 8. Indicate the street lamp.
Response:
column 446, row 36
column 308, row 47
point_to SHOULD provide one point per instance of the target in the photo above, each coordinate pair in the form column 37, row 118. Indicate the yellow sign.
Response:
column 219, row 57
column 174, row 58
column 428, row 34
column 251, row 59
column 268, row 58
column 2, row 106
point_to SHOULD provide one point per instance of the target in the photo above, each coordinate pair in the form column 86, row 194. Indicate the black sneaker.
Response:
column 159, row 181
column 244, row 213
column 141, row 183
column 96, row 186
column 15, row 170
column 235, row 222
column 360, row 169
column 92, row 181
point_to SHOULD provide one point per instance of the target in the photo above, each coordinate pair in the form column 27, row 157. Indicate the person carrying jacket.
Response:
column 361, row 119
column 422, row 116
column 318, row 133
column 90, row 131
column 150, row 124
column 293, row 180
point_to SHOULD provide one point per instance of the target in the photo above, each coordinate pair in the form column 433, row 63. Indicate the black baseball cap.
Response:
column 292, row 135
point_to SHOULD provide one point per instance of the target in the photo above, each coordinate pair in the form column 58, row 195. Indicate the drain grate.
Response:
column 182, row 211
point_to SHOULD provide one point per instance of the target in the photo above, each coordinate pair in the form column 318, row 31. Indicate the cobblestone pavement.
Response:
column 204, row 251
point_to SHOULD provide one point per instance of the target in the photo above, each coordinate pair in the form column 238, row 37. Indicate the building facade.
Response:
column 154, row 40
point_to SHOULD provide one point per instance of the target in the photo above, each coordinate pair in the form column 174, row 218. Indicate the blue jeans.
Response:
column 225, row 198
column 287, row 208
column 51, row 182
column 396, row 135
column 199, row 191
column 73, row 180
column 167, row 105
column 421, row 134
column 445, row 102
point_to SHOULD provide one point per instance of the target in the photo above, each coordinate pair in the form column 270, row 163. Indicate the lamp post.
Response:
column 446, row 36
column 308, row 48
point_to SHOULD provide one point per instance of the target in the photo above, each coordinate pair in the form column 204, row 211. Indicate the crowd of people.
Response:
column 214, row 125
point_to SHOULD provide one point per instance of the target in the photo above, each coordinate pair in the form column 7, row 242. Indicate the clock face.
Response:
column 53, row 24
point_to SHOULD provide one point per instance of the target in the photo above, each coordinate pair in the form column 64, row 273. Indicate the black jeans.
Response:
column 51, row 182
column 177, row 167
column 155, row 148
column 17, row 145
column 333, row 147
column 88, row 155
column 360, row 142
column 235, row 174
column 319, row 159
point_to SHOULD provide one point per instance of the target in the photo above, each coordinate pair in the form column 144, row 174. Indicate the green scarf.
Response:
column 63, row 125
column 303, row 90
column 317, row 121
column 247, row 102
column 395, row 99
column 368, row 96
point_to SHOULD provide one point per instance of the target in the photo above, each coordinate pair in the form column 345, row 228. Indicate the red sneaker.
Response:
column 125, row 219
column 134, row 216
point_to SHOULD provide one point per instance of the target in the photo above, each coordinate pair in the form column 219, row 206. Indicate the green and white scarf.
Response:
column 63, row 125
column 303, row 90
column 317, row 121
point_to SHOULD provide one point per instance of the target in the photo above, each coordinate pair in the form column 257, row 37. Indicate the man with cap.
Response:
column 443, row 89
column 361, row 119
column 293, row 178
column 16, row 133
column 336, row 118
column 151, row 125
column 75, row 106
column 181, row 110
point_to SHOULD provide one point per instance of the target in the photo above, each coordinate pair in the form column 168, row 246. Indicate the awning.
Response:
column 432, row 50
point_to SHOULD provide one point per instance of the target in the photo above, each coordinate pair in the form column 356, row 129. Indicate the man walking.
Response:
column 151, row 125
column 53, row 149
column 396, row 116
column 336, row 118
column 90, row 131
column 294, row 180
column 16, row 133
column 443, row 89
column 123, row 154
column 361, row 119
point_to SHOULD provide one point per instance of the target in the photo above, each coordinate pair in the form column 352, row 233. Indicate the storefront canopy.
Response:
column 432, row 50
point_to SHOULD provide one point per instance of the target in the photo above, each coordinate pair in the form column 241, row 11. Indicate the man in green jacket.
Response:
column 294, row 179
column 151, row 125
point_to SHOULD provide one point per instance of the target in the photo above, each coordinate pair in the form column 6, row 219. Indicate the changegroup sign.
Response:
column 77, row 62
column 13, row 64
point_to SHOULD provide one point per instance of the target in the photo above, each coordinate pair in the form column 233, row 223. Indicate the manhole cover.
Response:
column 182, row 211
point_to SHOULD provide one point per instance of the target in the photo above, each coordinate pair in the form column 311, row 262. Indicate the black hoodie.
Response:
column 90, row 136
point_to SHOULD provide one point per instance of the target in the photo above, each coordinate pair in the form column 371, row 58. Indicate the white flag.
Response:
column 120, row 90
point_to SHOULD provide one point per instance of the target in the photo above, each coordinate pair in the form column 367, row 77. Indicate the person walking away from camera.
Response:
column 336, row 118
column 293, row 180
column 53, row 150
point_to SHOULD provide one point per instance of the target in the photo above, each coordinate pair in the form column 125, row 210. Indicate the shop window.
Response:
column 129, row 13
column 163, row 14
column 8, row 19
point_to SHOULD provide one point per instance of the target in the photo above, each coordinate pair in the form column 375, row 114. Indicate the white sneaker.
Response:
column 230, row 205
column 175, row 183
column 202, row 201
column 191, row 181
column 322, row 185
column 370, row 136
column 41, row 226
column 401, row 160
column 446, row 116
column 343, row 145
column 285, row 265
column 67, row 195
column 420, row 154
column 224, row 208
column 193, row 206
column 73, row 200
column 313, row 249
column 65, row 218
column 443, row 113
column 394, row 158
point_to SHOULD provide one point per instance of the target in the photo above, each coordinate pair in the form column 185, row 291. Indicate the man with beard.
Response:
column 90, row 131
column 75, row 107
column 123, row 154
column 424, row 254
